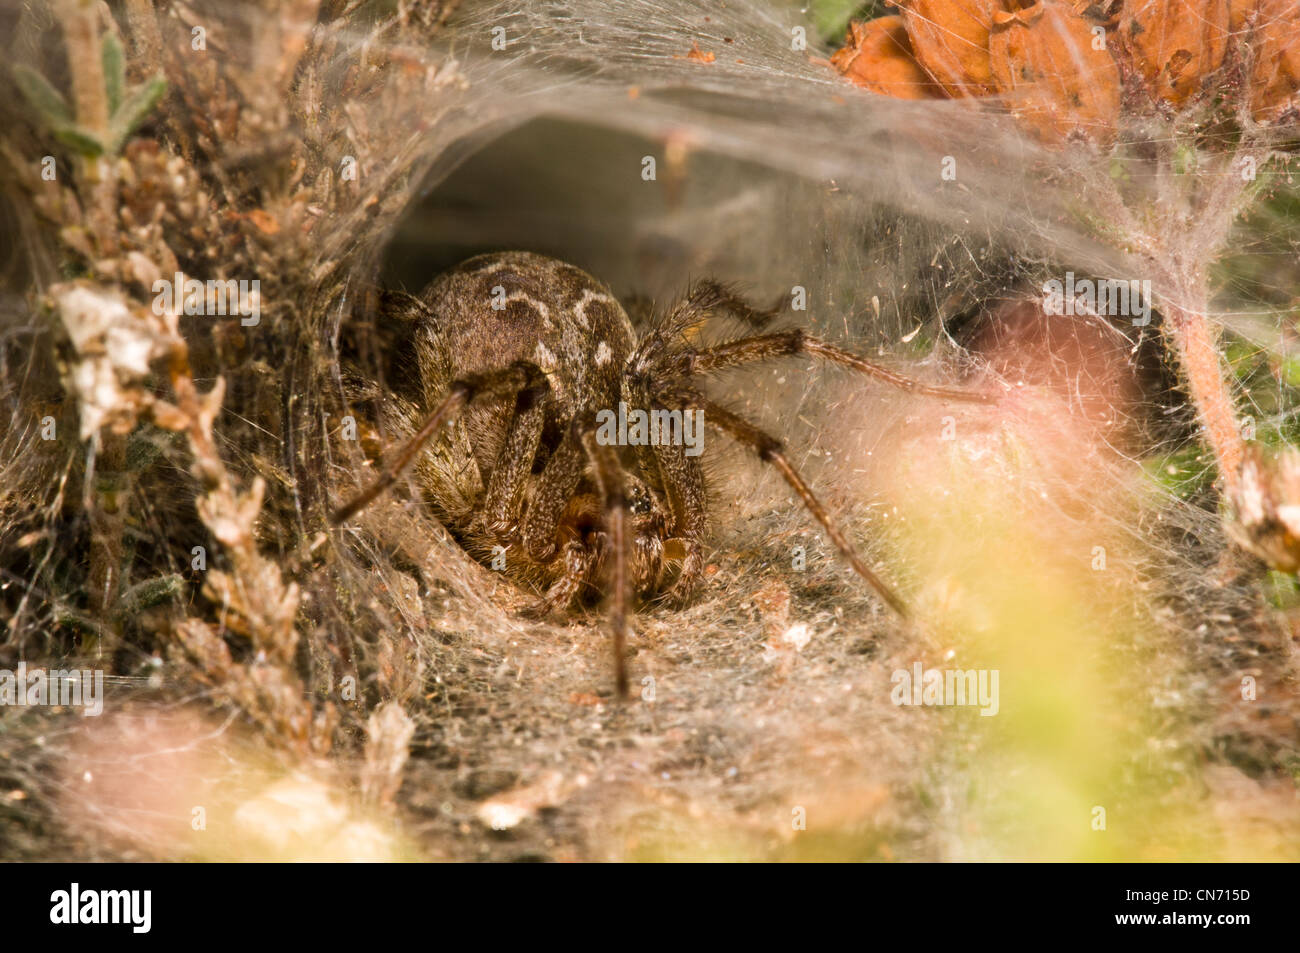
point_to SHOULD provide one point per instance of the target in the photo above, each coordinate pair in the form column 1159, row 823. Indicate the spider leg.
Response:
column 578, row 557
column 515, row 459
column 555, row 485
column 761, row 347
column 609, row 477
column 683, row 482
column 770, row 450
column 512, row 379
column 707, row 296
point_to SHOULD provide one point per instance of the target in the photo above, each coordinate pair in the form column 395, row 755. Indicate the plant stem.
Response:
column 107, row 524
column 1195, row 343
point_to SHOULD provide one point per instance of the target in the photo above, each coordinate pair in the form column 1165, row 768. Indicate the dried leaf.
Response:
column 1054, row 79
column 142, row 269
column 1176, row 44
column 1264, row 508
column 1273, row 31
column 264, row 221
column 877, row 55
column 115, row 346
column 515, row 806
column 951, row 41
column 388, row 738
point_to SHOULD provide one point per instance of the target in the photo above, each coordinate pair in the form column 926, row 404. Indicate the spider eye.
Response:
column 639, row 502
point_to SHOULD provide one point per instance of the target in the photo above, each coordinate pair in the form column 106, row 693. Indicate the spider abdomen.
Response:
column 519, row 306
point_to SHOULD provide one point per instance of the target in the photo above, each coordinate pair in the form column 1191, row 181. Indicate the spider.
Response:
column 520, row 360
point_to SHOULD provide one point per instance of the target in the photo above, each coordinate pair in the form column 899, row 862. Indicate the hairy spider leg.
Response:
column 708, row 296
column 681, row 479
column 517, row 377
column 609, row 478
column 770, row 450
column 515, row 459
column 556, row 485
column 762, row 347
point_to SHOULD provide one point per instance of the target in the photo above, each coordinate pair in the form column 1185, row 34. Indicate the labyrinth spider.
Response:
column 518, row 355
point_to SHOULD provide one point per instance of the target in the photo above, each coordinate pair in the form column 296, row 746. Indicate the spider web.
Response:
column 773, row 174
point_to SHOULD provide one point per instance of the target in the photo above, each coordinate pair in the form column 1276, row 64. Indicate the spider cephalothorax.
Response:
column 528, row 371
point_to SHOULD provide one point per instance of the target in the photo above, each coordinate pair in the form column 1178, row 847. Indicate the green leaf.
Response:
column 1182, row 474
column 135, row 108
column 1290, row 372
column 1281, row 590
column 1099, row 225
column 114, row 63
column 84, row 141
column 150, row 593
column 831, row 17
column 43, row 97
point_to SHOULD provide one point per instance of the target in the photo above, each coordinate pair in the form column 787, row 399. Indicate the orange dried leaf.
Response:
column 1240, row 13
column 1054, row 79
column 264, row 221
column 1176, row 44
column 1272, row 29
column 1105, row 12
column 951, row 41
column 877, row 55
